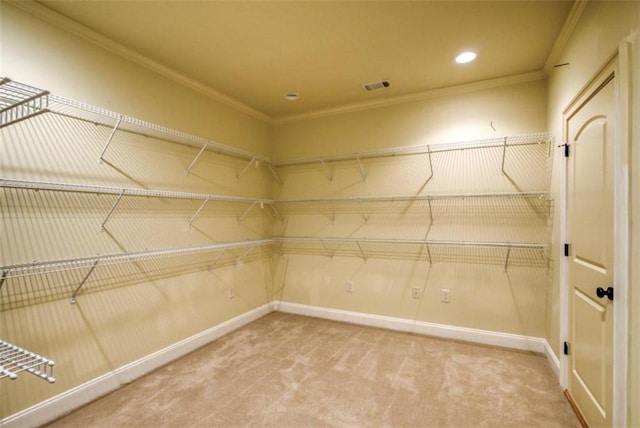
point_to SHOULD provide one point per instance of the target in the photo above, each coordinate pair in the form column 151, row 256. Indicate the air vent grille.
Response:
column 374, row 86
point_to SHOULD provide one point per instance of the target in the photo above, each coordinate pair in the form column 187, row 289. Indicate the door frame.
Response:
column 624, row 64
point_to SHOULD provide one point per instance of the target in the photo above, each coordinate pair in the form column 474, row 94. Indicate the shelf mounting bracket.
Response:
column 506, row 260
column 274, row 173
column 363, row 173
column 198, row 211
column 275, row 211
column 75, row 293
column 361, row 252
column 195, row 160
column 215, row 262
column 364, row 215
column 239, row 260
column 113, row 208
column 4, row 277
column 504, row 152
column 332, row 216
column 106, row 145
column 327, row 172
column 247, row 211
column 329, row 253
column 246, row 168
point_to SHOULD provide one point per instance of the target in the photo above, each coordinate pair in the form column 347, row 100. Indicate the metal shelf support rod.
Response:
column 113, row 133
column 4, row 277
column 329, row 253
column 245, row 254
column 246, row 168
column 220, row 256
column 274, row 173
column 364, row 215
column 332, row 216
column 361, row 252
column 504, row 152
column 198, row 211
column 193, row 162
column 113, row 208
column 363, row 173
column 429, row 254
column 327, row 171
column 275, row 211
column 246, row 212
column 75, row 293
column 506, row 261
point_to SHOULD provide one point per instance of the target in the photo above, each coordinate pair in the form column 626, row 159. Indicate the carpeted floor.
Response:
column 293, row 371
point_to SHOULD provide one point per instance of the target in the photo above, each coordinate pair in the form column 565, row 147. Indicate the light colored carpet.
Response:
column 293, row 371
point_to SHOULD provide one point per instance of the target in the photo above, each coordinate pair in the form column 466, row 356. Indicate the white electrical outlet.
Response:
column 445, row 295
column 415, row 292
column 349, row 286
column 231, row 292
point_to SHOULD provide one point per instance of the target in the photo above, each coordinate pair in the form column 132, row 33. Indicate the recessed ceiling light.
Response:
column 291, row 96
column 465, row 57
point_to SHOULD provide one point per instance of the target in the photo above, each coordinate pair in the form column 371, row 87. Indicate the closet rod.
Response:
column 515, row 141
column 322, row 240
column 109, row 190
column 28, row 269
column 401, row 198
column 13, row 94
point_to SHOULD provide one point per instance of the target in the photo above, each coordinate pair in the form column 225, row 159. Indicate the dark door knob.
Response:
column 601, row 292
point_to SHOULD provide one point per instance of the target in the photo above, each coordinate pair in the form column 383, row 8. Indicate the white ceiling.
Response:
column 256, row 51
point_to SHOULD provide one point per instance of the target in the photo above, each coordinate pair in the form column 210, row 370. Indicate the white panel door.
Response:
column 590, row 134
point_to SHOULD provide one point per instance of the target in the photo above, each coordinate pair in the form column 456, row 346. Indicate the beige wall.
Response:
column 483, row 295
column 125, row 312
column 595, row 39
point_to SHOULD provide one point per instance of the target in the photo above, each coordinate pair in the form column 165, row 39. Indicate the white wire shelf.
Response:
column 47, row 267
column 503, row 253
column 121, row 192
column 14, row 360
column 126, row 191
column 503, row 142
column 366, row 205
column 19, row 102
column 407, row 198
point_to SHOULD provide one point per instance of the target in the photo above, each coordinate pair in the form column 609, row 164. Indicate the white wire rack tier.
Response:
column 14, row 360
column 503, row 253
column 408, row 198
column 38, row 268
column 19, row 102
column 112, row 190
column 503, row 142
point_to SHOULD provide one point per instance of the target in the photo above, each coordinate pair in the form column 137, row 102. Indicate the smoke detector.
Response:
column 374, row 86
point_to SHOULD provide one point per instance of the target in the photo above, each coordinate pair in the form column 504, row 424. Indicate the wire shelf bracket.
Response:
column 3, row 278
column 113, row 208
column 86, row 277
column 253, row 160
column 109, row 139
column 195, row 160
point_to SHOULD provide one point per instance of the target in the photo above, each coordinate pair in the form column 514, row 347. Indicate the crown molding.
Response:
column 562, row 39
column 420, row 96
column 91, row 36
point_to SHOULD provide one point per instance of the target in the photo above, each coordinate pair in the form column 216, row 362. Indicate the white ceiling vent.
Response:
column 374, row 86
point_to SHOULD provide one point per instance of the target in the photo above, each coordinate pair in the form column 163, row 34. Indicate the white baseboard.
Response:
column 554, row 361
column 507, row 340
column 62, row 404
